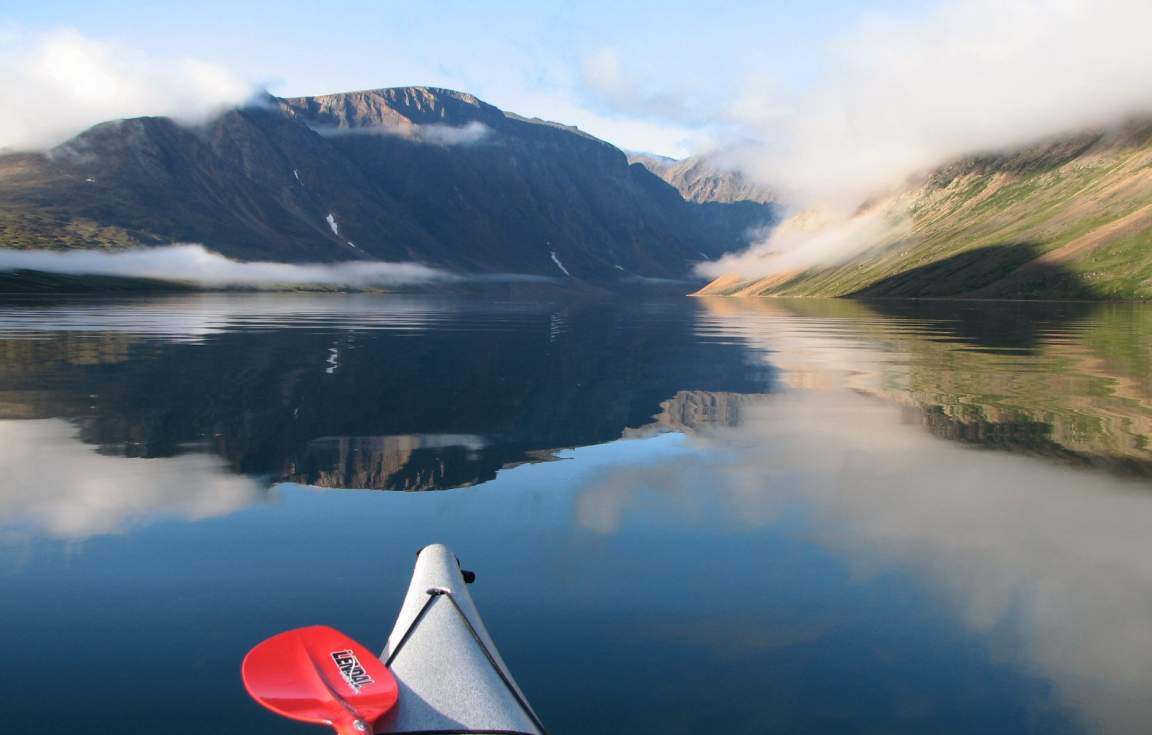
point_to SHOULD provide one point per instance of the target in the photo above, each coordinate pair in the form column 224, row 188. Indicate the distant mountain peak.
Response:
column 393, row 106
column 702, row 179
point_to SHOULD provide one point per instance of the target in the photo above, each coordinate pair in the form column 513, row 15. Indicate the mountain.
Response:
column 409, row 173
column 733, row 206
column 1069, row 217
column 701, row 179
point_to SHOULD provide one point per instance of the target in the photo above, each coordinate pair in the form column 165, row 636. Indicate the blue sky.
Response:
column 535, row 58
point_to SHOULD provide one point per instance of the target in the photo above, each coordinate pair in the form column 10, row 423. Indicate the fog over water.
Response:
column 195, row 264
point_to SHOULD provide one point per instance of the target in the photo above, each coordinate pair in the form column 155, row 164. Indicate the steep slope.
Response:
column 231, row 184
column 699, row 179
column 1067, row 218
column 397, row 174
column 733, row 208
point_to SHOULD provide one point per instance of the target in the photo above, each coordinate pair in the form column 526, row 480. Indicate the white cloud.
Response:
column 467, row 134
column 195, row 264
column 434, row 134
column 902, row 95
column 807, row 241
column 59, row 83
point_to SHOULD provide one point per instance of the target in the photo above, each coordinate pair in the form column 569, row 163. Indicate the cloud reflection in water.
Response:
column 1051, row 564
column 63, row 488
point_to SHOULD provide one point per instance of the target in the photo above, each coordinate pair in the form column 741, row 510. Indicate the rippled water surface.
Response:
column 687, row 516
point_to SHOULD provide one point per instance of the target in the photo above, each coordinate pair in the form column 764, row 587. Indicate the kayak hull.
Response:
column 450, row 675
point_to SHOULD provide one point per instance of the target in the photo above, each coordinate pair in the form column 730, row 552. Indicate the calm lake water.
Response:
column 687, row 516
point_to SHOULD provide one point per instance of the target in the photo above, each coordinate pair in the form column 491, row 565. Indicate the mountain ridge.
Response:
column 701, row 179
column 399, row 174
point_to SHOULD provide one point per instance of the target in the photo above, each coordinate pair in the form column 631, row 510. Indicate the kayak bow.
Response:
column 450, row 675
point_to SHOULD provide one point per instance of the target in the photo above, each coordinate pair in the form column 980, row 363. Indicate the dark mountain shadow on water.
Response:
column 14, row 284
column 986, row 273
column 1010, row 270
column 1066, row 381
column 997, row 326
column 417, row 408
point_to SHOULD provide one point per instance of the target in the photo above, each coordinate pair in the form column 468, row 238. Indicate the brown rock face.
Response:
column 698, row 179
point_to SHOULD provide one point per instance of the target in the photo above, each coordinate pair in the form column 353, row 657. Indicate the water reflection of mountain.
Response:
column 693, row 411
column 417, row 408
column 1066, row 381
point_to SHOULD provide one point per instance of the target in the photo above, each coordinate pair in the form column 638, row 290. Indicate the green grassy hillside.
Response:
column 1070, row 218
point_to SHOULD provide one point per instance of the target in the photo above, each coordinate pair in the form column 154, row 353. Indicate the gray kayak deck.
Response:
column 451, row 677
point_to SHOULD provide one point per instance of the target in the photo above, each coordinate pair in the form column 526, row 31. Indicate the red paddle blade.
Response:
column 318, row 674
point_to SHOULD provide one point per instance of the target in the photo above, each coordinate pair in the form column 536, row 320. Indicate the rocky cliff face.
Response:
column 1065, row 218
column 734, row 208
column 699, row 179
column 396, row 174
